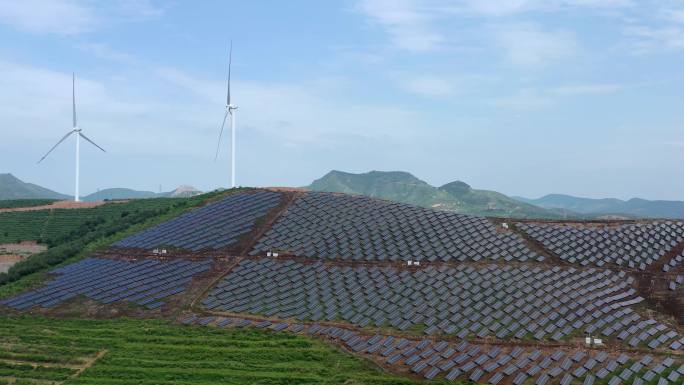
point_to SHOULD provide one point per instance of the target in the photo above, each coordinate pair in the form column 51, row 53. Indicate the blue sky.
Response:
column 525, row 97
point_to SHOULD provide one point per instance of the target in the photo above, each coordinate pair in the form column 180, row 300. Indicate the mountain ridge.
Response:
column 12, row 187
column 636, row 207
column 455, row 196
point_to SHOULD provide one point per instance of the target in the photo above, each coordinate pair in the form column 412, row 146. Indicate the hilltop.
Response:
column 456, row 196
column 126, row 193
column 12, row 187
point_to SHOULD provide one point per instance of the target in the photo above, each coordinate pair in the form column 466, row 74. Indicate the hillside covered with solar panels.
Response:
column 423, row 294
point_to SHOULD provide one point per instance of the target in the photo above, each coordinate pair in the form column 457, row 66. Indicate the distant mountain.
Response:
column 634, row 207
column 455, row 196
column 183, row 191
column 12, row 187
column 126, row 193
column 118, row 193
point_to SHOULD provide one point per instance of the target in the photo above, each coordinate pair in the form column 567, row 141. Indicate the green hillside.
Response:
column 12, row 187
column 455, row 196
column 132, row 352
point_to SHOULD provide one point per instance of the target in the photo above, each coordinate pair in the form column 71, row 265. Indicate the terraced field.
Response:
column 47, row 226
column 48, row 351
column 420, row 293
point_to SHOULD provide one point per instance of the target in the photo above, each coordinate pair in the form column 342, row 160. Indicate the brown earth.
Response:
column 288, row 189
column 11, row 253
column 58, row 205
column 8, row 260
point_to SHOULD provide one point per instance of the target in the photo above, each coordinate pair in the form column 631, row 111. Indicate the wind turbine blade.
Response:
column 230, row 61
column 218, row 146
column 55, row 146
column 91, row 142
column 73, row 97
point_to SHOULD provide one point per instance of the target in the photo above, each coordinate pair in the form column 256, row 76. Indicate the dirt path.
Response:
column 58, row 205
column 90, row 362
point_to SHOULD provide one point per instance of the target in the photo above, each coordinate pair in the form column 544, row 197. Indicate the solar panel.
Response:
column 111, row 280
column 214, row 226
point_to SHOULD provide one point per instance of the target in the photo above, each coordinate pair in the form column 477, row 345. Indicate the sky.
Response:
column 525, row 97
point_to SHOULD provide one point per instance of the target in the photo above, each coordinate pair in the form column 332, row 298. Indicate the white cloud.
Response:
column 586, row 89
column 299, row 114
column 72, row 17
column 500, row 7
column 675, row 15
column 528, row 99
column 408, row 24
column 526, row 45
column 653, row 39
column 105, row 51
column 432, row 86
column 504, row 8
column 61, row 17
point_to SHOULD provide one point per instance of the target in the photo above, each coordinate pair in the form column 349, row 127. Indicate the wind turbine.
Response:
column 230, row 110
column 79, row 134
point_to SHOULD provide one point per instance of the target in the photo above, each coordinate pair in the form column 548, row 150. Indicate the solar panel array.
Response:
column 483, row 363
column 636, row 331
column 673, row 263
column 361, row 228
column 214, row 226
column 503, row 301
column 145, row 283
column 632, row 245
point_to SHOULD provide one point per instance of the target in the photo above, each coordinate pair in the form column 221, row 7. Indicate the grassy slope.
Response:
column 155, row 352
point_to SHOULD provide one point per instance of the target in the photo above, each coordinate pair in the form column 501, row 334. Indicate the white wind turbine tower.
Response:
column 230, row 110
column 77, row 131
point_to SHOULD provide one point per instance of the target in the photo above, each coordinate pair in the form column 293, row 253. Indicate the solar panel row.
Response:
column 360, row 228
column 214, row 226
column 633, row 245
column 503, row 301
column 145, row 283
column 484, row 363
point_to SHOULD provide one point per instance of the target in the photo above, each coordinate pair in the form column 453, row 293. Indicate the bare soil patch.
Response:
column 58, row 205
column 288, row 189
column 11, row 253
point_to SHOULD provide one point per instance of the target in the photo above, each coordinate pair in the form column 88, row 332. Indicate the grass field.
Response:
column 41, row 350
column 49, row 226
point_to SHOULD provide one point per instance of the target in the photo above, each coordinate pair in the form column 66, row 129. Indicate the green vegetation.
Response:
column 54, row 226
column 80, row 232
column 154, row 352
column 455, row 196
column 13, row 188
column 15, row 203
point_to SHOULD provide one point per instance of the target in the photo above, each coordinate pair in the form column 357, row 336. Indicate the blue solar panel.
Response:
column 109, row 280
column 217, row 225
